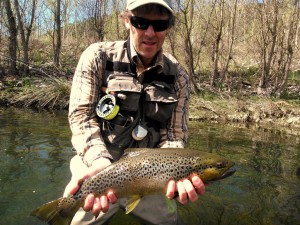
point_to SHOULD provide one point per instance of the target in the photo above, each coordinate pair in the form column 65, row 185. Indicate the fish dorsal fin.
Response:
column 133, row 201
column 132, row 152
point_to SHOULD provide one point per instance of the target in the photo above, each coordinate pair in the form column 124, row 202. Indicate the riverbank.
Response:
column 249, row 111
column 242, row 108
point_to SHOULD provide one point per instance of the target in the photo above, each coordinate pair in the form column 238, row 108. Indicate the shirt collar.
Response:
column 135, row 58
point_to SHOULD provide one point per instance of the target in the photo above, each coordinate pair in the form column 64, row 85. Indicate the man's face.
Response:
column 147, row 42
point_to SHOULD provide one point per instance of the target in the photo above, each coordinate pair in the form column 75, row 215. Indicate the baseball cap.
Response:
column 132, row 4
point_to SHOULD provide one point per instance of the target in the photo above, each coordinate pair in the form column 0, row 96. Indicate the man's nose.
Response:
column 150, row 31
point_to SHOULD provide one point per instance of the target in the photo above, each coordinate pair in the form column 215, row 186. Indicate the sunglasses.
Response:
column 143, row 24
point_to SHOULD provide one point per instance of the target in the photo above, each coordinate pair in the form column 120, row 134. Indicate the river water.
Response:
column 34, row 169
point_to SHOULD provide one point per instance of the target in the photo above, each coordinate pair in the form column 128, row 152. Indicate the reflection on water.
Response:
column 264, row 190
column 34, row 158
column 35, row 154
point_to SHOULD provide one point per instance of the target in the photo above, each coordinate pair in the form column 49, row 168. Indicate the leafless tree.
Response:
column 211, row 38
column 57, row 34
column 25, row 23
column 217, row 41
column 13, row 35
column 230, row 39
column 287, row 47
column 192, row 34
column 268, row 21
column 1, row 19
column 99, row 16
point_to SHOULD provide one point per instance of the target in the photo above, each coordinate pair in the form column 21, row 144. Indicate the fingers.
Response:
column 198, row 184
column 80, row 172
column 111, row 197
column 188, row 190
column 104, row 203
column 89, row 203
column 171, row 189
column 97, row 207
column 99, row 203
column 182, row 194
column 96, row 204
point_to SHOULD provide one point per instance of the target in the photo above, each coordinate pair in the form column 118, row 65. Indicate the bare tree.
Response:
column 1, row 20
column 187, row 23
column 211, row 38
column 217, row 41
column 268, row 13
column 287, row 48
column 65, row 17
column 13, row 42
column 99, row 17
column 231, row 39
column 57, row 34
column 188, row 15
column 25, row 23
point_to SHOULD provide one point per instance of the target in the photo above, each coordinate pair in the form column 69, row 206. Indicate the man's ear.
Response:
column 127, row 22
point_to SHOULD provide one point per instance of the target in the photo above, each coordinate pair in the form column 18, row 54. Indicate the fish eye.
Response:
column 220, row 164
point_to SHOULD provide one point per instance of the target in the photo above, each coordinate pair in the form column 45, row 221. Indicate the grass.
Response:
column 50, row 93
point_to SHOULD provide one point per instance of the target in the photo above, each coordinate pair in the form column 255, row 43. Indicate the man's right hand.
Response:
column 80, row 172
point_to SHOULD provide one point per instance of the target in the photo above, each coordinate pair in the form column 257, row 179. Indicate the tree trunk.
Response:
column 13, row 42
column 216, row 47
column 268, row 52
column 231, row 42
column 99, row 18
column 187, row 9
column 25, row 32
column 57, row 35
column 291, row 39
column 1, row 19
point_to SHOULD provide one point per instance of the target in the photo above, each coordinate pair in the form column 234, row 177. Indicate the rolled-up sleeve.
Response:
column 85, row 94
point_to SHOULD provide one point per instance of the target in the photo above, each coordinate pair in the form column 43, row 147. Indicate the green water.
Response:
column 35, row 153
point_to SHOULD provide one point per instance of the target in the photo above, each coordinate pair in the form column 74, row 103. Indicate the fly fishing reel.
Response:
column 107, row 107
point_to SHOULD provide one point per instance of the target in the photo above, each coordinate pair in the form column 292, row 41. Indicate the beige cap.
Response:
column 132, row 4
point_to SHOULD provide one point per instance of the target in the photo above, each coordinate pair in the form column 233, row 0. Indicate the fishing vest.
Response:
column 150, row 100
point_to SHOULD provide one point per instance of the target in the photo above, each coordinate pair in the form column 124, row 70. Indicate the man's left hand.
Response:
column 188, row 189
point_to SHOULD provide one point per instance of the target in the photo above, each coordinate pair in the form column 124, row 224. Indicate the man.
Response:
column 153, row 110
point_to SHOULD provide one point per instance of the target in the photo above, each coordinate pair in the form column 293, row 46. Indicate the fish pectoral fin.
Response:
column 133, row 201
column 170, row 205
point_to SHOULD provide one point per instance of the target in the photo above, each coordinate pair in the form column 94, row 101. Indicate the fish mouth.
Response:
column 227, row 173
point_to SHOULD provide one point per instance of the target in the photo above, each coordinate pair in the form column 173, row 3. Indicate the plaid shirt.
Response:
column 86, row 92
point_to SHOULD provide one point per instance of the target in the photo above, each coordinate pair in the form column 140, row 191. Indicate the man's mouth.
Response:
column 149, row 43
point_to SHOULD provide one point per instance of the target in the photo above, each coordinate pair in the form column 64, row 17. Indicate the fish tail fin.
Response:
column 58, row 212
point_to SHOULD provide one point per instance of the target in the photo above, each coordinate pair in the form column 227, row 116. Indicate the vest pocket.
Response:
column 118, row 132
column 161, row 101
column 129, row 86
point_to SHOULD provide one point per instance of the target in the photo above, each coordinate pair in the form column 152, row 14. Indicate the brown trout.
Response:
column 138, row 173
